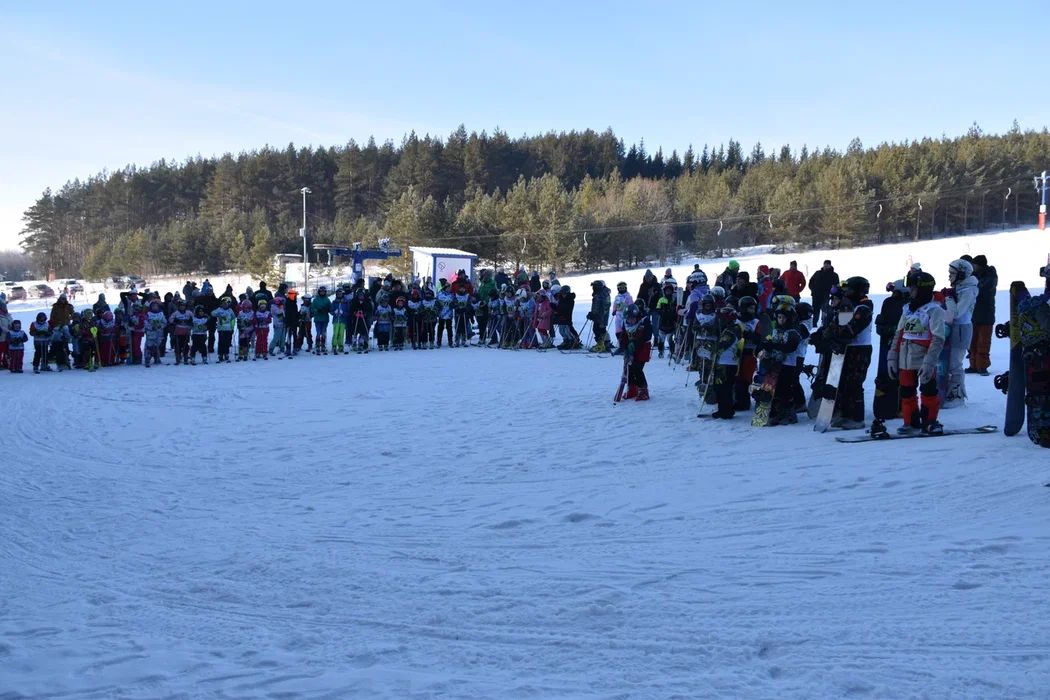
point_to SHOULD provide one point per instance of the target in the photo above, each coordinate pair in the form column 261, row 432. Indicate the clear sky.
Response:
column 92, row 86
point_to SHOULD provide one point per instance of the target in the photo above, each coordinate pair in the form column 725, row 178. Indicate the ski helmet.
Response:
column 856, row 288
column 632, row 313
column 621, row 287
column 224, row 302
column 181, row 304
column 546, row 284
column 804, row 310
column 707, row 304
column 41, row 317
column 107, row 317
column 262, row 303
column 959, row 270
column 921, row 285
column 597, row 284
column 896, row 287
column 782, row 302
column 748, row 308
column 733, row 265
column 246, row 305
column 718, row 293
column 565, row 289
column 323, row 292
column 727, row 314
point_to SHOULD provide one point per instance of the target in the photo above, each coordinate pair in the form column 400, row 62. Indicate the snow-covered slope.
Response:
column 482, row 523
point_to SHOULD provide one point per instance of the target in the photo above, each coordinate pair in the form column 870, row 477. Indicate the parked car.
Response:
column 16, row 293
column 71, row 285
column 134, row 281
column 41, row 291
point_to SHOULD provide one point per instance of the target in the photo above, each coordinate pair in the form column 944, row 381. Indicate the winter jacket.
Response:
column 182, row 322
column 541, row 320
column 200, row 325
column 320, row 308
column 562, row 314
column 648, row 287
column 100, row 307
column 5, row 325
column 341, row 310
column 640, row 336
column 263, row 318
column 445, row 305
column 245, row 323
column 16, row 340
column 820, row 284
column 600, row 303
column 668, row 312
column 534, row 282
column 984, row 308
column 619, row 305
column 291, row 313
column 726, row 280
column 794, row 282
column 485, row 288
column 61, row 313
column 965, row 298
column 888, row 318
column 919, row 338
column 224, row 319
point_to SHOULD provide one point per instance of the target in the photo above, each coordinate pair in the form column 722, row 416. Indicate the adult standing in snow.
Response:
column 61, row 312
column 820, row 284
column 983, row 316
column 501, row 278
column 728, row 277
column 963, row 295
column 263, row 294
column 794, row 280
column 534, row 282
column 599, row 315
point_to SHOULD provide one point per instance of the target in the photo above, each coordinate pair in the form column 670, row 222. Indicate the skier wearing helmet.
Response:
column 638, row 334
column 913, row 356
column 619, row 305
column 182, row 323
column 320, row 310
column 225, row 319
column 245, row 329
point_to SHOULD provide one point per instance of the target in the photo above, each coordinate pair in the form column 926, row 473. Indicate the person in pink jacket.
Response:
column 541, row 320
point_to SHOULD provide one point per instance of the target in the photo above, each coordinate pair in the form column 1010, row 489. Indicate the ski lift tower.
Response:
column 359, row 254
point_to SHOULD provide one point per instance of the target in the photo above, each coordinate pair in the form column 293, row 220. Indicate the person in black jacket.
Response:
column 534, row 282
column 562, row 318
column 820, row 284
column 210, row 302
column 983, row 316
column 291, row 321
column 886, row 402
column 263, row 293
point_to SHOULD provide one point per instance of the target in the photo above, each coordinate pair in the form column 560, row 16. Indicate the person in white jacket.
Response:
column 914, row 353
column 619, row 307
column 960, row 300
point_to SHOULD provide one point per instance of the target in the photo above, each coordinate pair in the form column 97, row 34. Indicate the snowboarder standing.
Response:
column 963, row 294
column 914, row 354
column 983, row 316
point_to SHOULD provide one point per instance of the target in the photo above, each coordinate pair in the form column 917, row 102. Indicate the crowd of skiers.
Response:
column 730, row 332
column 733, row 333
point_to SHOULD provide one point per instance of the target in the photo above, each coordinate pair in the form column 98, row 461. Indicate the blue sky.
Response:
column 89, row 86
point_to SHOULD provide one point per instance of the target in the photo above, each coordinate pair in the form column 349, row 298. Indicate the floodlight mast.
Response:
column 302, row 232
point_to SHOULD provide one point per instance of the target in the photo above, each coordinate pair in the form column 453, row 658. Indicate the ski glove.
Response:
column 928, row 372
column 892, row 366
column 590, row 316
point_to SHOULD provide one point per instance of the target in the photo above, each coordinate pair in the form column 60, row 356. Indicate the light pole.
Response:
column 302, row 232
column 1041, row 186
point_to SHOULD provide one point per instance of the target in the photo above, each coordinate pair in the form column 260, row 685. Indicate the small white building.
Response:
column 442, row 263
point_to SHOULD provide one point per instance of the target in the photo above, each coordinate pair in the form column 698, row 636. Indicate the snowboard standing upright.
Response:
column 830, row 389
column 764, row 396
column 1014, row 378
column 1033, row 315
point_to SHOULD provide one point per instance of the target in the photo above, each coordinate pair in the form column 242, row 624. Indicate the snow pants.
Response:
column 39, row 355
column 3, row 354
column 725, row 385
column 107, row 350
column 961, row 337
column 910, row 403
column 14, row 360
column 428, row 333
column 321, row 330
column 382, row 337
column 338, row 335
column 980, row 348
column 444, row 326
column 850, row 401
column 225, row 342
column 136, row 347
column 745, row 373
column 199, row 344
column 636, row 375
column 262, row 336
column 244, row 342
column 784, row 397
column 182, row 348
column 399, row 337
column 304, row 337
column 278, row 338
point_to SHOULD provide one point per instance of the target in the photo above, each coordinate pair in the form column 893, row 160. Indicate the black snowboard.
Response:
column 1015, row 392
column 984, row 429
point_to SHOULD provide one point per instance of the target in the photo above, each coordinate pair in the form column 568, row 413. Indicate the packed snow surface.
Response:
column 483, row 523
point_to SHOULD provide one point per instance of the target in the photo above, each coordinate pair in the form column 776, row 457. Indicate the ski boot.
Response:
column 878, row 430
column 933, row 428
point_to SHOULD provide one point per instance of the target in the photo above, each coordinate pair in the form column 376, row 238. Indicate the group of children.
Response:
column 733, row 335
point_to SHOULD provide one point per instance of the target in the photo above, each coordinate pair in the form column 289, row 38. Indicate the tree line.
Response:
column 558, row 199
